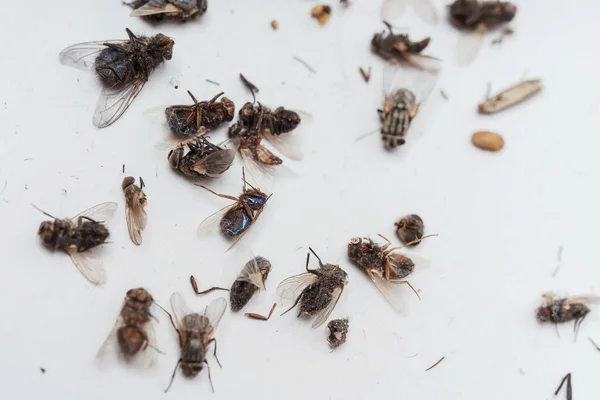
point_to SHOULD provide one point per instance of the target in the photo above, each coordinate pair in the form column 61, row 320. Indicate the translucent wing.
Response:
column 420, row 82
column 261, row 173
column 583, row 299
column 135, row 215
column 425, row 9
column 100, row 213
column 215, row 310
column 216, row 163
column 83, row 55
column 468, row 47
column 393, row 9
column 287, row 144
column 427, row 63
column 290, row 288
column 143, row 358
column 180, row 309
column 251, row 273
column 90, row 267
column 155, row 7
column 173, row 141
column 324, row 314
column 112, row 103
column 391, row 292
column 211, row 224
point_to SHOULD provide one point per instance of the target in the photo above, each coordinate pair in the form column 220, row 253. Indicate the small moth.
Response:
column 511, row 96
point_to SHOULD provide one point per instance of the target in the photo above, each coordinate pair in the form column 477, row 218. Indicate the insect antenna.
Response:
column 173, row 376
column 142, row 184
column 42, row 211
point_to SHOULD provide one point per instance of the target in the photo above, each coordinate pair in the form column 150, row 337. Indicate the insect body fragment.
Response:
column 316, row 292
column 186, row 120
column 133, row 333
column 410, row 229
column 560, row 310
column 135, row 214
column 195, row 332
column 251, row 278
column 157, row 10
column 202, row 159
column 123, row 68
column 511, row 96
column 78, row 235
column 338, row 330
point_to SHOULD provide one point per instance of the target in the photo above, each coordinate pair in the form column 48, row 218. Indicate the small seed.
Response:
column 274, row 25
column 487, row 140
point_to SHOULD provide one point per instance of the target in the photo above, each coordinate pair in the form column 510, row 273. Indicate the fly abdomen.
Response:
column 395, row 125
column 240, row 294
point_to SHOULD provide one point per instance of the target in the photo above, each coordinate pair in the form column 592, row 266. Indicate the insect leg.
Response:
column 195, row 287
column 209, row 377
column 216, row 97
column 173, row 376
column 388, row 244
column 409, row 243
column 215, row 352
column 295, row 304
column 172, row 323
column 225, row 196
column 577, row 325
column 407, row 283
column 262, row 317
column 380, row 113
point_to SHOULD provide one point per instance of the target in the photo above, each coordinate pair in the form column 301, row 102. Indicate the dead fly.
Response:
column 255, row 123
column 410, row 229
column 425, row 9
column 385, row 266
column 404, row 91
column 478, row 17
column 338, row 330
column 186, row 121
column 77, row 235
column 399, row 49
column 135, row 214
column 133, row 333
column 195, row 334
column 511, row 96
column 123, row 67
column 157, row 10
column 560, row 310
column 251, row 278
column 235, row 220
column 203, row 158
column 317, row 291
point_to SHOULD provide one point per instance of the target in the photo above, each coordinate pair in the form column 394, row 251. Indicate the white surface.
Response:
column 501, row 217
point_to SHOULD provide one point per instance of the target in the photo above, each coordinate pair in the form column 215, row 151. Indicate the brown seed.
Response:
column 274, row 25
column 321, row 13
column 487, row 140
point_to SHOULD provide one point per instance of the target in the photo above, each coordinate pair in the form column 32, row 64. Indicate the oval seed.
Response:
column 487, row 140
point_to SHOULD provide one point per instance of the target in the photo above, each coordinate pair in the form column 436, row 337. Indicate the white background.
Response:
column 501, row 217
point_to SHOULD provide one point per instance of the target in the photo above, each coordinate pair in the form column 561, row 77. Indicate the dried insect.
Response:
column 195, row 332
column 338, row 330
column 202, row 159
column 123, row 68
column 403, row 96
column 409, row 229
column 157, row 10
column 187, row 120
column 385, row 266
column 135, row 214
column 560, row 310
column 425, row 9
column 567, row 378
column 478, row 17
column 133, row 334
column 317, row 291
column 77, row 235
column 235, row 220
column 399, row 49
column 511, row 96
column 321, row 13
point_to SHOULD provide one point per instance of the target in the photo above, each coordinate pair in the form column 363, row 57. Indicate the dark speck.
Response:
column 43, row 370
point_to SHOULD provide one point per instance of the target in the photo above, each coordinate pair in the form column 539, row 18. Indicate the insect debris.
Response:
column 187, row 121
column 365, row 75
column 511, row 96
column 301, row 61
column 135, row 213
column 77, row 235
column 443, row 94
column 316, row 292
column 385, row 266
column 203, row 159
column 505, row 32
column 567, row 379
column 42, row 370
column 410, row 229
column 475, row 15
column 321, row 13
column 435, row 365
column 250, row 279
column 123, row 68
column 398, row 48
column 559, row 310
column 274, row 25
column 338, row 330
column 195, row 333
column 594, row 344
column 235, row 220
column 158, row 10
column 250, row 86
column 133, row 333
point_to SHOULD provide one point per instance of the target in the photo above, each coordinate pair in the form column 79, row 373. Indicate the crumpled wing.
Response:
column 292, row 287
column 155, row 7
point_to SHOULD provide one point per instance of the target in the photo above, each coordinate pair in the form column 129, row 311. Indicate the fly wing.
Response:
column 261, row 173
column 287, row 144
column 393, row 9
column 143, row 358
column 100, row 213
column 180, row 310
column 391, row 292
column 83, row 55
column 155, row 7
column 251, row 274
column 215, row 163
column 136, row 217
column 110, row 347
column 584, row 299
column 468, row 46
column 215, row 310
column 290, row 288
column 113, row 102
column 420, row 82
column 425, row 9
column 324, row 314
column 90, row 267
column 211, row 224
column 424, row 62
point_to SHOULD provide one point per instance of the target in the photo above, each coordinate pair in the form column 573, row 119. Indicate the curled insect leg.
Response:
column 406, row 283
column 262, row 317
column 195, row 287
